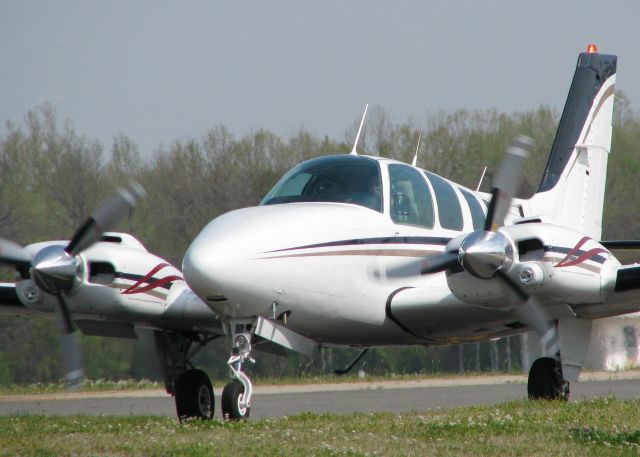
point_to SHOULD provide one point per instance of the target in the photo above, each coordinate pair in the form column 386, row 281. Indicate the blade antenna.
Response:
column 415, row 157
column 353, row 151
column 481, row 178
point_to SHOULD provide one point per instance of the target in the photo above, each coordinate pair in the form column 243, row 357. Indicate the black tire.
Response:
column 546, row 382
column 231, row 396
column 194, row 395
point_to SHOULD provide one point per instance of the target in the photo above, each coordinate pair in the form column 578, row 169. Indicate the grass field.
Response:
column 87, row 386
column 523, row 428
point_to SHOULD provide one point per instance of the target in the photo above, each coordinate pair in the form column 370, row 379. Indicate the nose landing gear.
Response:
column 236, row 396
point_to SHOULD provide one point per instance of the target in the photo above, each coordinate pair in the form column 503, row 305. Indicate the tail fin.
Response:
column 571, row 192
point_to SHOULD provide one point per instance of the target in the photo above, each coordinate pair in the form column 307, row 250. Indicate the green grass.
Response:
column 88, row 386
column 523, row 428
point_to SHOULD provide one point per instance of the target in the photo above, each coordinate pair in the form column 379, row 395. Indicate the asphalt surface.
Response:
column 279, row 401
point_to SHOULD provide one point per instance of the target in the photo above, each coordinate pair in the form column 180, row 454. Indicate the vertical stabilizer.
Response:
column 571, row 192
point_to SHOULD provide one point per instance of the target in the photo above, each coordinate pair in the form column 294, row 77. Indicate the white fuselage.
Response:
column 316, row 260
column 328, row 270
column 324, row 265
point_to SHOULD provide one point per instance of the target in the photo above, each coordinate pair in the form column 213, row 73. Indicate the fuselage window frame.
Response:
column 450, row 218
column 478, row 214
column 410, row 199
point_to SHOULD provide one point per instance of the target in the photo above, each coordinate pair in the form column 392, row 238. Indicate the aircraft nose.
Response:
column 229, row 256
column 208, row 265
column 219, row 260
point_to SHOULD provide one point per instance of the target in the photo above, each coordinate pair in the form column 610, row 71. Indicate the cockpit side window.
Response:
column 449, row 210
column 295, row 185
column 477, row 214
column 342, row 179
column 411, row 201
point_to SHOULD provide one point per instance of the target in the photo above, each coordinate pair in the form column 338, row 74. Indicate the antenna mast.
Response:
column 481, row 178
column 415, row 157
column 353, row 151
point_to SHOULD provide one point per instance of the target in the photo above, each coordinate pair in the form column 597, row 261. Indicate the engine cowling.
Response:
column 557, row 264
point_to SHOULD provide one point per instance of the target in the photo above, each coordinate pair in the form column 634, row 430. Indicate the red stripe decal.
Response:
column 139, row 286
column 569, row 262
column 153, row 285
column 146, row 278
column 584, row 257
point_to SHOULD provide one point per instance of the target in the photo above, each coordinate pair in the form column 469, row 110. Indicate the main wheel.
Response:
column 545, row 380
column 194, row 395
column 232, row 394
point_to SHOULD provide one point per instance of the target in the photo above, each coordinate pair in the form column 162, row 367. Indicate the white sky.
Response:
column 159, row 71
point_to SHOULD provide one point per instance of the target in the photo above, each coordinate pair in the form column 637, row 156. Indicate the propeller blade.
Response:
column 14, row 255
column 438, row 263
column 74, row 368
column 531, row 313
column 72, row 357
column 507, row 182
column 64, row 316
column 405, row 270
column 105, row 217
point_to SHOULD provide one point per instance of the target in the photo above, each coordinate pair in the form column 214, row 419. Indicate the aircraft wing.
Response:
column 10, row 304
column 626, row 251
column 626, row 293
column 628, row 278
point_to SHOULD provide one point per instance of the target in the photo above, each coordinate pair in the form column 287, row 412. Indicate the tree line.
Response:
column 51, row 177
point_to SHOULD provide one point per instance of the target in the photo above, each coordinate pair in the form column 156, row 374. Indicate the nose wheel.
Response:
column 236, row 396
column 234, row 404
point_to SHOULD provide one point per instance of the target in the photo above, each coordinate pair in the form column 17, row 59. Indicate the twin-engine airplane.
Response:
column 361, row 251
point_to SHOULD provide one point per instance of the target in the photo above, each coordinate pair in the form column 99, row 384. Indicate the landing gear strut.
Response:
column 546, row 380
column 190, row 387
column 236, row 396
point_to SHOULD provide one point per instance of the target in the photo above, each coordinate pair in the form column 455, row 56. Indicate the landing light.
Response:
column 592, row 48
column 243, row 343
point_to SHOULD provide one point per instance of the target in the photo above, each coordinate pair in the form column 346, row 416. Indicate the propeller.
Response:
column 489, row 253
column 485, row 252
column 55, row 268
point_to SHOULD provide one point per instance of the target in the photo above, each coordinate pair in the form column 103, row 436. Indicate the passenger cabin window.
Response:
column 411, row 201
column 342, row 179
column 449, row 210
column 477, row 213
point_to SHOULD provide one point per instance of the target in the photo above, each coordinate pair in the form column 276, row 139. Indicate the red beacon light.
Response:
column 592, row 48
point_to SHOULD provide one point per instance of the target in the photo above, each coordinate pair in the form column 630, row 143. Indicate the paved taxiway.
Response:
column 278, row 401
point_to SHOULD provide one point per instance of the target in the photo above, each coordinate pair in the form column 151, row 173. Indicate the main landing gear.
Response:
column 194, row 395
column 546, row 380
column 190, row 387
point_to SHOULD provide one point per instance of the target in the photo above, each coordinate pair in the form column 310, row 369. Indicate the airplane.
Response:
column 361, row 251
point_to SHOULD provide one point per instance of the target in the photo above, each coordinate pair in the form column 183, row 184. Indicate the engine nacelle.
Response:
column 120, row 281
column 556, row 264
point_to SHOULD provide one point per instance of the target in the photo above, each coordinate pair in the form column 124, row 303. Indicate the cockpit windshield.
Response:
column 340, row 178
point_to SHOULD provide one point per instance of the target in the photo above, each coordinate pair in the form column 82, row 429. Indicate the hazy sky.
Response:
column 159, row 71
